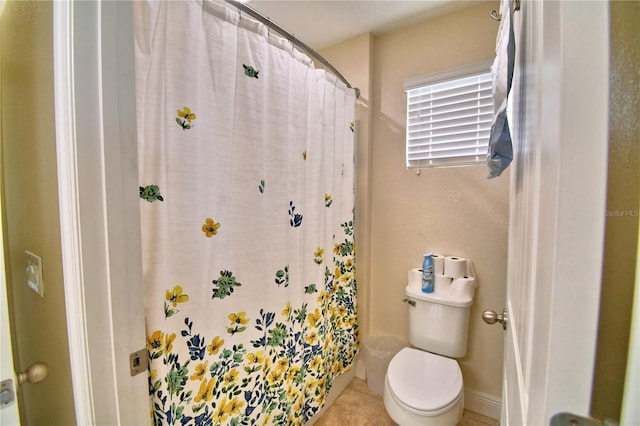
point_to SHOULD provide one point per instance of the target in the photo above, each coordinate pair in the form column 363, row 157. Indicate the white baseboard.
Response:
column 361, row 370
column 482, row 403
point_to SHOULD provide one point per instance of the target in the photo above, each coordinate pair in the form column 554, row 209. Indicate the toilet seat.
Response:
column 423, row 382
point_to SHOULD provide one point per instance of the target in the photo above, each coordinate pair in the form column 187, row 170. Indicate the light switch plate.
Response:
column 34, row 273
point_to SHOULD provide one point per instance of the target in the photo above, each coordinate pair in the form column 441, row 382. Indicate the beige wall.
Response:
column 30, row 203
column 453, row 211
column 623, row 192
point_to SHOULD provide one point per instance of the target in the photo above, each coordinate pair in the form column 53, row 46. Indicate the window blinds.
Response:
column 448, row 122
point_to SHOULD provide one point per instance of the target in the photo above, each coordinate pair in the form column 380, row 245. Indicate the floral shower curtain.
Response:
column 246, row 186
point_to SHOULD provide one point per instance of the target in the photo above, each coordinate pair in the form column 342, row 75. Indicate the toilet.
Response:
column 423, row 383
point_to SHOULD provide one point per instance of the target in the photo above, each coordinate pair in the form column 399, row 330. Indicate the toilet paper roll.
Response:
column 442, row 283
column 438, row 264
column 455, row 267
column 462, row 288
column 415, row 277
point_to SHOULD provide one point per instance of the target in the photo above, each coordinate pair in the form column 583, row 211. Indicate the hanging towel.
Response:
column 500, row 148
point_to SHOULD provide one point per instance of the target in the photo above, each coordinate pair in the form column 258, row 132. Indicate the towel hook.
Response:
column 496, row 16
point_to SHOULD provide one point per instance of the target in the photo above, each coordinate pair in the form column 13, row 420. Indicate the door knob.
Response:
column 35, row 373
column 491, row 317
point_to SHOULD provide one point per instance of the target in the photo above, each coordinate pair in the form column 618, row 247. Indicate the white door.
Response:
column 99, row 217
column 558, row 185
column 8, row 409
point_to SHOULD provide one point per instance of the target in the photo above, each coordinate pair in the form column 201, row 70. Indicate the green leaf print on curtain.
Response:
column 150, row 193
column 250, row 293
column 224, row 285
column 281, row 379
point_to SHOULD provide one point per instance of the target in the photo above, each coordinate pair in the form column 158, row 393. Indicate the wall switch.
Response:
column 34, row 273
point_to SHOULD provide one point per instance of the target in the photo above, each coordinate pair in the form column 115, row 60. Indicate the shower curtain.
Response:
column 246, row 188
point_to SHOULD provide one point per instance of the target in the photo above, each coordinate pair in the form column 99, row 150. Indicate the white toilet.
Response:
column 423, row 386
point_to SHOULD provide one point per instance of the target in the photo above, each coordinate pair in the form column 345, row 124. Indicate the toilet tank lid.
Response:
column 417, row 293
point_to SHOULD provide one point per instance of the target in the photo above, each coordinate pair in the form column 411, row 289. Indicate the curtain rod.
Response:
column 293, row 39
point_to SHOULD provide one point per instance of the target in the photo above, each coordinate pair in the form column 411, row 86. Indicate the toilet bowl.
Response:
column 423, row 385
column 422, row 388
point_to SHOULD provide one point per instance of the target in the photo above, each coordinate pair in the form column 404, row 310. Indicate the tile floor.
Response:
column 358, row 406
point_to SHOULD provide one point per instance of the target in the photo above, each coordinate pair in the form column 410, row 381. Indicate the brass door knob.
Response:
column 34, row 374
column 491, row 317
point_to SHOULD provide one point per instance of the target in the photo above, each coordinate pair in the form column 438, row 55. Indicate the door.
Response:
column 8, row 402
column 558, row 184
column 29, row 210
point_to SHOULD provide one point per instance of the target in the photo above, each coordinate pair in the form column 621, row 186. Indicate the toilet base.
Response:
column 404, row 417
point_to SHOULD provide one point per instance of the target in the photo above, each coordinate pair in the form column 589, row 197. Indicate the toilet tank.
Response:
column 438, row 323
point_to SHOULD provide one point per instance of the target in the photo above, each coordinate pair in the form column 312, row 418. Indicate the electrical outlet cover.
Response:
column 34, row 273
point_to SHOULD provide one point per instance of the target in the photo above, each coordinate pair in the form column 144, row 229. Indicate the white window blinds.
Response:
column 448, row 122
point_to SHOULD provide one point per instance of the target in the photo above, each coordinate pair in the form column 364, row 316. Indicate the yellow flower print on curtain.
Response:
column 210, row 227
column 159, row 343
column 317, row 255
column 185, row 117
column 238, row 321
column 283, row 379
column 215, row 345
column 200, row 372
column 174, row 297
column 221, row 414
column 254, row 362
column 328, row 200
column 206, row 390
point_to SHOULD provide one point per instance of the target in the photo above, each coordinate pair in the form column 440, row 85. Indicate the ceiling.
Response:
column 322, row 23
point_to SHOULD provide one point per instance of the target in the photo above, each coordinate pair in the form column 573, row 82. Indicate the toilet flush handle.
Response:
column 409, row 301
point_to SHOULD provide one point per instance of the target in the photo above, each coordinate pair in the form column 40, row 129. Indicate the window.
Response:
column 449, row 117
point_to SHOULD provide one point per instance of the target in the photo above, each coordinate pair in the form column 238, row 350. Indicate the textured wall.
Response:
column 30, row 202
column 450, row 211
